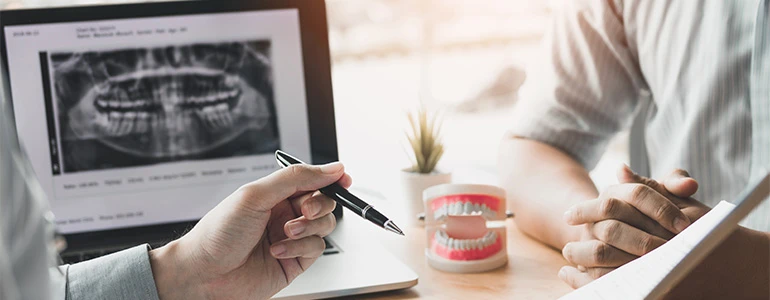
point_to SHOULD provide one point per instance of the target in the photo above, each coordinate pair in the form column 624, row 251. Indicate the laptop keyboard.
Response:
column 76, row 257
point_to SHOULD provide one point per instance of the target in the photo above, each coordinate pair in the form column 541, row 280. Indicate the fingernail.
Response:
column 278, row 250
column 296, row 229
column 680, row 224
column 581, row 268
column 568, row 216
column 331, row 168
column 562, row 273
column 314, row 208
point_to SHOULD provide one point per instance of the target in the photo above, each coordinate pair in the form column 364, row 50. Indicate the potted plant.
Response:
column 425, row 151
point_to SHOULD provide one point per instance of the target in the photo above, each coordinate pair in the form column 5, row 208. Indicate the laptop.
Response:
column 139, row 118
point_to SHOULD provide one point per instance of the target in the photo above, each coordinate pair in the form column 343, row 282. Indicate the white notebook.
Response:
column 654, row 274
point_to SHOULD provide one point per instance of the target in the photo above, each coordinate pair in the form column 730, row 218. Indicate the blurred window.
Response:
column 464, row 58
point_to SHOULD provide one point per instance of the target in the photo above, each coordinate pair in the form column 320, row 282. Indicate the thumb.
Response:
column 680, row 184
column 282, row 184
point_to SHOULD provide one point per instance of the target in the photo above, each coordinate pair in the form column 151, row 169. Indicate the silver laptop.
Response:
column 139, row 118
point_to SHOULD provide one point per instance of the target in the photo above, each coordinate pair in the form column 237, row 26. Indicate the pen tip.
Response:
column 390, row 226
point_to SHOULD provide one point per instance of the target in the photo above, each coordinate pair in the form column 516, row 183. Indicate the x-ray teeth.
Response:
column 140, row 106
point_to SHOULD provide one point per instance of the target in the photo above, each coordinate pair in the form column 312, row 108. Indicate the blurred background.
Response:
column 465, row 58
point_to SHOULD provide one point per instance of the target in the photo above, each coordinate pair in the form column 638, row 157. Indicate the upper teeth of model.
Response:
column 465, row 244
column 463, row 209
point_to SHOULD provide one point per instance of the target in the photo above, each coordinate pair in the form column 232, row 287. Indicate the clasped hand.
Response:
column 626, row 221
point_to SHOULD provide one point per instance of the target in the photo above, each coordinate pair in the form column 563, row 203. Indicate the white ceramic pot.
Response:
column 412, row 186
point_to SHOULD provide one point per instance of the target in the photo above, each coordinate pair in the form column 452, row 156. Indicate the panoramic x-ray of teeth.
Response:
column 141, row 106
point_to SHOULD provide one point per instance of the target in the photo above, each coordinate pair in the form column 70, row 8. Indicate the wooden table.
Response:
column 530, row 273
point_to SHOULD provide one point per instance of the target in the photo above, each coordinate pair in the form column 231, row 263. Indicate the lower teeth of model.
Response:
column 465, row 244
column 463, row 209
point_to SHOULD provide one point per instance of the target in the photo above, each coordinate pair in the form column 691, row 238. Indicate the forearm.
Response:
column 542, row 182
column 738, row 269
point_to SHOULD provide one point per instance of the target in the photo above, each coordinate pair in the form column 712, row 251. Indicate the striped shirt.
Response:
column 700, row 71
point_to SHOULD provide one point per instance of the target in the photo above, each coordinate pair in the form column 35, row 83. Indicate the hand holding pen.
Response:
column 345, row 198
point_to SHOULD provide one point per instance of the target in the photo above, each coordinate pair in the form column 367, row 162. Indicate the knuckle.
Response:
column 663, row 212
column 596, row 272
column 608, row 207
column 646, row 244
column 297, row 170
column 639, row 191
column 609, row 230
column 649, row 182
column 245, row 190
column 248, row 192
column 601, row 253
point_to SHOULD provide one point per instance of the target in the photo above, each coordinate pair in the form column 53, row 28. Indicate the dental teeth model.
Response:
column 464, row 227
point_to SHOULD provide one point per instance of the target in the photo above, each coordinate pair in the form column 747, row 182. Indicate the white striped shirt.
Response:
column 702, row 68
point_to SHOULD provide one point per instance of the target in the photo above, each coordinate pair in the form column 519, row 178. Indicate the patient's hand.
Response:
column 626, row 221
column 255, row 242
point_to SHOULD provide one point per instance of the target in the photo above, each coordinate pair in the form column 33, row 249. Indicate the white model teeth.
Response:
column 463, row 208
column 470, row 244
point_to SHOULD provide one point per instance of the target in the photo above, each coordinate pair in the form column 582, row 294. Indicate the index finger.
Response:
column 286, row 182
column 596, row 210
column 651, row 203
column 676, row 185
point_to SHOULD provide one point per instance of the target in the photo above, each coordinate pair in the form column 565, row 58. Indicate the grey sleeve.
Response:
column 123, row 275
column 586, row 87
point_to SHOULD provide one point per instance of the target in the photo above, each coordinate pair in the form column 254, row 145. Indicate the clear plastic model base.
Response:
column 465, row 227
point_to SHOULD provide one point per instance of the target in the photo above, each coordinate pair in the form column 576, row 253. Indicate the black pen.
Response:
column 345, row 198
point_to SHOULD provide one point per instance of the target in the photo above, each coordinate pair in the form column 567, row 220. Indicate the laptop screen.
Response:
column 132, row 122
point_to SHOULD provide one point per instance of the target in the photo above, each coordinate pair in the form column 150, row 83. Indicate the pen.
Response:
column 345, row 198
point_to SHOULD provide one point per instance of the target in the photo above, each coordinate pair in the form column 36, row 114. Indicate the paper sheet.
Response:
column 636, row 279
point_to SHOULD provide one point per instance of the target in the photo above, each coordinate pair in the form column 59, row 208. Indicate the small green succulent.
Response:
column 424, row 141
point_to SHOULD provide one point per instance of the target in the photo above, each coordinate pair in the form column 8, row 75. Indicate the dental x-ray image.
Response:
column 141, row 106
